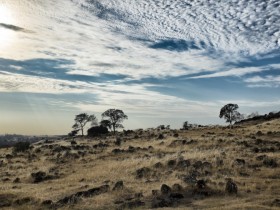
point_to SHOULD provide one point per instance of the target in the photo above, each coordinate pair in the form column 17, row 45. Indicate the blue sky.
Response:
column 162, row 62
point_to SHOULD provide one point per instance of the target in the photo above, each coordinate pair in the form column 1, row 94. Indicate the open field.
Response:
column 187, row 169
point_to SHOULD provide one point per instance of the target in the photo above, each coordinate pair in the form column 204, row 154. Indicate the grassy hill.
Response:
column 203, row 168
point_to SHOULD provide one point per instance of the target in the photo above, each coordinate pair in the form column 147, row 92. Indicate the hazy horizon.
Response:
column 161, row 62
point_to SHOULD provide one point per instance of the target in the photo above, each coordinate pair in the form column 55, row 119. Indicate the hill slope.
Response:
column 183, row 170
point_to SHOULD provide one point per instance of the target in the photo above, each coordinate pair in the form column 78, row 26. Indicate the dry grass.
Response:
column 258, row 184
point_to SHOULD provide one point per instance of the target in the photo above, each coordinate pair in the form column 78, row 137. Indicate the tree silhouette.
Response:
column 115, row 117
column 230, row 113
column 106, row 124
column 186, row 125
column 81, row 120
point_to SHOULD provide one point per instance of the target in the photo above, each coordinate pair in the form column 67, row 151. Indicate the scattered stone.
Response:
column 73, row 142
column 176, row 196
column 190, row 179
column 142, row 172
column 75, row 197
column 23, row 201
column 171, row 163
column 240, row 162
column 118, row 141
column 100, row 145
column 16, row 180
column 9, row 156
column 161, row 203
column 276, row 202
column 270, row 163
column 158, row 165
column 197, row 164
column 41, row 176
column 176, row 135
column 6, row 200
column 177, row 188
column 132, row 204
column 182, row 164
column 165, row 189
column 200, row 184
column 261, row 157
column 259, row 133
column 231, row 187
column 118, row 186
column 47, row 202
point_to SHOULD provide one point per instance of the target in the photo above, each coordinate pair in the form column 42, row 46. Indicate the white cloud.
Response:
column 94, row 32
column 267, row 81
column 233, row 72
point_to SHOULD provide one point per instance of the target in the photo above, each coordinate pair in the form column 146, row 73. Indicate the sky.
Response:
column 160, row 61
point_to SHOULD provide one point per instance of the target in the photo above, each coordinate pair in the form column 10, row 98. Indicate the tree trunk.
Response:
column 114, row 128
column 82, row 129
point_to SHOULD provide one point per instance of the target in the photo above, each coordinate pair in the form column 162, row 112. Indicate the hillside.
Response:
column 202, row 168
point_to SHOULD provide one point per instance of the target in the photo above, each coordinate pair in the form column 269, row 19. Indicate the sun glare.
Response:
column 6, row 35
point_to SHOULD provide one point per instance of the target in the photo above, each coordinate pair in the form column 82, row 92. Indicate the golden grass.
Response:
column 256, row 191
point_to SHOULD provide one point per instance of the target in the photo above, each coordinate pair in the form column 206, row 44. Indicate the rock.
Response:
column 231, row 187
column 176, row 135
column 161, row 203
column 118, row 186
column 259, row 133
column 240, row 161
column 100, row 145
column 117, row 151
column 177, row 188
column 270, row 163
column 88, row 193
column 182, row 164
column 261, row 157
column 73, row 142
column 165, row 189
column 6, row 200
column 190, row 179
column 155, row 193
column 133, row 204
column 197, row 164
column 38, row 176
column 171, row 163
column 200, row 184
column 41, row 176
column 158, row 165
column 219, row 161
column 276, row 202
column 23, row 201
column 16, row 180
column 132, row 149
column 47, row 202
column 9, row 156
column 142, row 172
column 176, row 196
column 118, row 141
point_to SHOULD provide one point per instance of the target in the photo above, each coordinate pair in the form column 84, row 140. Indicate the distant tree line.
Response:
column 111, row 120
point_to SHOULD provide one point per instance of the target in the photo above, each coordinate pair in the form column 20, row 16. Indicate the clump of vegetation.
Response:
column 81, row 120
column 21, row 146
column 113, row 118
column 230, row 114
column 97, row 131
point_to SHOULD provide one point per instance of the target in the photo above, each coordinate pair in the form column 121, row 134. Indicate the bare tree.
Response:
column 81, row 120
